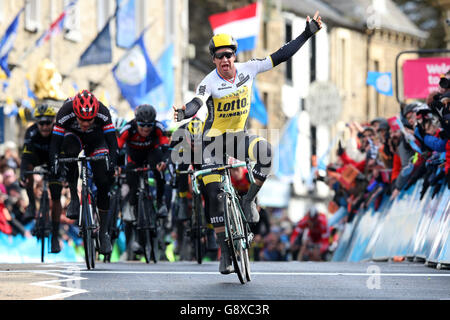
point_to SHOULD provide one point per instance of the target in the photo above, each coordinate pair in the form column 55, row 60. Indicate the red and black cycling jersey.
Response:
column 130, row 137
column 66, row 122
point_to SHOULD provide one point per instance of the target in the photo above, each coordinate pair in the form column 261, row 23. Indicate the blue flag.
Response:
column 125, row 23
column 99, row 51
column 162, row 96
column 135, row 74
column 258, row 109
column 382, row 81
column 287, row 150
column 7, row 43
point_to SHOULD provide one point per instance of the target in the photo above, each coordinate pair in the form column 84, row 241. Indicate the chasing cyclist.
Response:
column 143, row 138
column 186, row 143
column 35, row 153
column 84, row 123
column 226, row 92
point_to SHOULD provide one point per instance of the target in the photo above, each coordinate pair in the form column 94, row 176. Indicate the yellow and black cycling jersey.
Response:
column 228, row 101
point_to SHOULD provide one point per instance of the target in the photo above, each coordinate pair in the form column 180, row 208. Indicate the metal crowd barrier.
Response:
column 409, row 227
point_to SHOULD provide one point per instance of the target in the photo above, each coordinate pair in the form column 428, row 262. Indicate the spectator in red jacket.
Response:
column 316, row 238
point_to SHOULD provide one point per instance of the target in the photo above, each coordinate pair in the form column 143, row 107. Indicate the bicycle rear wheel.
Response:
column 236, row 239
column 155, row 240
column 197, row 230
column 113, row 228
column 143, row 227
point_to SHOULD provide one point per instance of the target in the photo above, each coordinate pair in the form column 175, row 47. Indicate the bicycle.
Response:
column 147, row 224
column 88, row 220
column 237, row 231
column 42, row 227
column 197, row 230
column 115, row 208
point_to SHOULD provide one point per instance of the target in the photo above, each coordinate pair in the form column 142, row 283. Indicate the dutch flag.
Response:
column 242, row 24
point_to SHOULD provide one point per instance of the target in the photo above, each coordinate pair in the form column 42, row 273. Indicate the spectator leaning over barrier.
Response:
column 404, row 149
column 353, row 145
column 440, row 104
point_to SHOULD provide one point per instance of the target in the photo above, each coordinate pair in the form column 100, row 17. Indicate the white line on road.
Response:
column 60, row 272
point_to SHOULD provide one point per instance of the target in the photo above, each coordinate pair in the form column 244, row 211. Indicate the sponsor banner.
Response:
column 421, row 76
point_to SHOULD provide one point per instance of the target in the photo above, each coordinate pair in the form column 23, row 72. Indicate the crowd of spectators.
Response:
column 388, row 155
column 14, row 200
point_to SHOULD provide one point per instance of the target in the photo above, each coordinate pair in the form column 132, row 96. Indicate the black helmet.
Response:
column 222, row 40
column 383, row 124
column 145, row 113
column 410, row 108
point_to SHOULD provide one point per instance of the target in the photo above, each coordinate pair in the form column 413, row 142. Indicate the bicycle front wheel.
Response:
column 42, row 222
column 88, row 235
column 236, row 239
column 197, row 229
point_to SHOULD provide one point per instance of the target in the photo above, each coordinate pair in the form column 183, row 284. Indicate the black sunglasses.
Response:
column 145, row 124
column 226, row 54
column 45, row 123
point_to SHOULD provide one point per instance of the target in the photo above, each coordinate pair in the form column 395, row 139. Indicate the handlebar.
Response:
column 41, row 172
column 140, row 169
column 83, row 158
column 223, row 168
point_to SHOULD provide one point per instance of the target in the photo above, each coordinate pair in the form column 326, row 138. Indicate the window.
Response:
column 141, row 16
column 288, row 35
column 72, row 23
column 32, row 16
column 265, row 35
column 2, row 10
column 170, row 20
column 105, row 9
column 376, row 66
column 342, row 65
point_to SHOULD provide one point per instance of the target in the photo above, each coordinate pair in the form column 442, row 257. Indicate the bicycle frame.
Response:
column 147, row 223
column 237, row 230
column 88, row 218
column 44, row 209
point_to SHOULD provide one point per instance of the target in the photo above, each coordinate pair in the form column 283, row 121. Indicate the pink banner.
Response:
column 421, row 76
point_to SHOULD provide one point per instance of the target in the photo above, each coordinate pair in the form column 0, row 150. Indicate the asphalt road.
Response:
column 190, row 281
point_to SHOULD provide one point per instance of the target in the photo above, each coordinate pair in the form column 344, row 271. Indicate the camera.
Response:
column 444, row 83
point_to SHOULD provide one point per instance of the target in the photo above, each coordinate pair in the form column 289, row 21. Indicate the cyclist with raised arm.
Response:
column 84, row 123
column 143, row 137
column 35, row 153
column 226, row 92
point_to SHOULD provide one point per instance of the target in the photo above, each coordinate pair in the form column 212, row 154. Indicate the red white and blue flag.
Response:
column 56, row 26
column 242, row 23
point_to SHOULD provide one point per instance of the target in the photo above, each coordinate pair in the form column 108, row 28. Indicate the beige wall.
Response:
column 349, row 61
column 65, row 53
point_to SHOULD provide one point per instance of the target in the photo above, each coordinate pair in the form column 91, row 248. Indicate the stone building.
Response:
column 166, row 19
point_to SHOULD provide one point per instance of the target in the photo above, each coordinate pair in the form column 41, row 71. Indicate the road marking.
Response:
column 253, row 273
column 68, row 291
column 71, row 282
